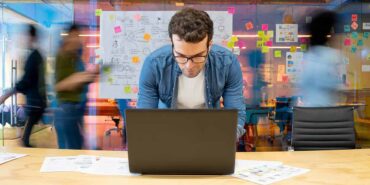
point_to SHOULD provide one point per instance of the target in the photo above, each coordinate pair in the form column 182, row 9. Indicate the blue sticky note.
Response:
column 366, row 35
column 354, row 35
column 353, row 49
column 347, row 28
column 360, row 43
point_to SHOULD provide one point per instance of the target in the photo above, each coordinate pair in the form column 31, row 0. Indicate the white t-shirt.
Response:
column 191, row 93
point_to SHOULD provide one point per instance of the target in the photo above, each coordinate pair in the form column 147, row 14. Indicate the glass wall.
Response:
column 261, row 32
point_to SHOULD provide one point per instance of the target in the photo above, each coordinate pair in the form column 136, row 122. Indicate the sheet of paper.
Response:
column 59, row 164
column 109, row 166
column 266, row 172
column 6, row 157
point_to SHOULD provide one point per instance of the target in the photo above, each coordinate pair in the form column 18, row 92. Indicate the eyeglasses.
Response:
column 195, row 59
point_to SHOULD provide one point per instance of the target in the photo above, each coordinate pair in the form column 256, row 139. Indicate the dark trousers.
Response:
column 34, row 115
column 69, row 125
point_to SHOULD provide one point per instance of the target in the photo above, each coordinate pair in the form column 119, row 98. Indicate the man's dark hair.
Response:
column 32, row 31
column 321, row 26
column 191, row 25
column 74, row 27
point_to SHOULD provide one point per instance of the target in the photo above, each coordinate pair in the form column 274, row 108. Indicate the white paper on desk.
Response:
column 5, row 157
column 268, row 173
column 59, row 164
column 109, row 166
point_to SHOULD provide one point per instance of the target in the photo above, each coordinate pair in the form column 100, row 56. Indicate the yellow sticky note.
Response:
column 230, row 44
column 234, row 38
column 261, row 33
column 147, row 37
column 293, row 49
column 259, row 44
column 98, row 12
column 303, row 47
column 265, row 49
column 277, row 53
column 368, row 57
column 106, row 70
column 265, row 38
column 135, row 59
column 110, row 80
column 127, row 89
column 112, row 17
column 270, row 33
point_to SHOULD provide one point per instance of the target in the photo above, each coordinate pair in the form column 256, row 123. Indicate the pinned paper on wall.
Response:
column 117, row 29
column 265, row 49
column 147, row 37
column 98, row 12
column 231, row 10
column 366, row 35
column 354, row 25
column 261, row 34
column 354, row 49
column 264, row 27
column 99, row 52
column 135, row 89
column 259, row 44
column 354, row 17
column 303, row 47
column 360, row 43
column 234, row 38
column 347, row 42
column 347, row 28
column 365, row 68
column 277, row 53
column 270, row 34
column 137, row 17
column 268, row 43
column 241, row 44
column 286, row 33
column 230, row 44
column 236, row 51
column 249, row 25
column 354, row 35
column 127, row 89
column 293, row 49
column 135, row 59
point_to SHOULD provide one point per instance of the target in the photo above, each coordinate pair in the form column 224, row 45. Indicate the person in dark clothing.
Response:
column 32, row 85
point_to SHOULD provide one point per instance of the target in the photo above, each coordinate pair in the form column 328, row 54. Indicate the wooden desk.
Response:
column 327, row 167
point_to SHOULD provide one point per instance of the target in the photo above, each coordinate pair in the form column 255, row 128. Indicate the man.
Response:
column 192, row 73
column 32, row 85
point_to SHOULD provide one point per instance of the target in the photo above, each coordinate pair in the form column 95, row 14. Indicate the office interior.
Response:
column 104, row 123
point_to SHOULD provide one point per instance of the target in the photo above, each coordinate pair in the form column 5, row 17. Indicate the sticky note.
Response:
column 265, row 49
column 303, row 40
column 270, row 34
column 264, row 27
column 285, row 78
column 303, row 47
column 354, row 49
column 347, row 42
column 117, row 29
column 347, row 28
column 135, row 89
column 98, row 12
column 112, row 17
column 231, row 10
column 366, row 35
column 241, row 44
column 268, row 43
column 265, row 38
column 110, row 80
column 147, row 37
column 249, row 25
column 137, row 17
column 135, row 59
column 360, row 43
column 368, row 57
column 293, row 49
column 230, row 44
column 354, row 17
column 261, row 33
column 277, row 53
column 127, row 89
column 354, row 25
column 259, row 44
column 354, row 35
column 106, row 70
column 234, row 38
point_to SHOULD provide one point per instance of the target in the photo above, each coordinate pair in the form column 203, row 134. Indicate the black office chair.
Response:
column 323, row 128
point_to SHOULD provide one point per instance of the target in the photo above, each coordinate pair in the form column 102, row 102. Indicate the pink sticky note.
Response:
column 241, row 44
column 347, row 42
column 135, row 89
column 265, row 27
column 268, row 43
column 303, row 40
column 137, row 17
column 285, row 78
column 117, row 29
column 231, row 10
column 354, row 17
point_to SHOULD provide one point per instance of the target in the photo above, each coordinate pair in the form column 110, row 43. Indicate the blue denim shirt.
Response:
column 223, row 78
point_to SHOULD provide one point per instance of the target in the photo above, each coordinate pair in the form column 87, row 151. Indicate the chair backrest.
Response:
column 323, row 128
column 282, row 108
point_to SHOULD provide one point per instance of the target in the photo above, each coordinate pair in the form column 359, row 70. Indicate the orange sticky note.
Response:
column 135, row 59
column 293, row 49
column 147, row 37
column 249, row 25
column 135, row 89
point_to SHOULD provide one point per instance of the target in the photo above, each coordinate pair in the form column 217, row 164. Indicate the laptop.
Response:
column 181, row 141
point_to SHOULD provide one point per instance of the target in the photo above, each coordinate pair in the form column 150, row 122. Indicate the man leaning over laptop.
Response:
column 192, row 73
